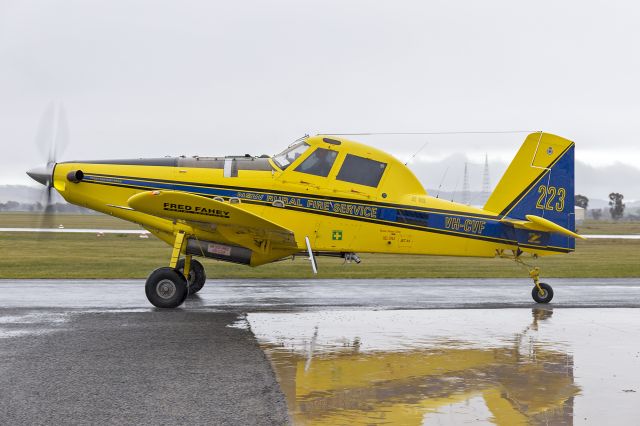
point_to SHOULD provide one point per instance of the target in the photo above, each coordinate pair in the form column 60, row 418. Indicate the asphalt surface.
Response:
column 96, row 352
column 169, row 367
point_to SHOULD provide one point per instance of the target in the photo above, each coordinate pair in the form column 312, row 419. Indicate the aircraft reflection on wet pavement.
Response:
column 504, row 379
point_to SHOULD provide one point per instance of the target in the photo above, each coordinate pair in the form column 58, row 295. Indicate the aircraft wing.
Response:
column 233, row 222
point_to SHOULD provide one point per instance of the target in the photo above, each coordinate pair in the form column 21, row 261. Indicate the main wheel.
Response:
column 166, row 288
column 197, row 276
column 543, row 296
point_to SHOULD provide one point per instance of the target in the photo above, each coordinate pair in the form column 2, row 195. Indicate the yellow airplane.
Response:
column 323, row 195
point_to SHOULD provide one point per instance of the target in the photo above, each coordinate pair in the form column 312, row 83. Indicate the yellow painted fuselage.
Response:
column 396, row 216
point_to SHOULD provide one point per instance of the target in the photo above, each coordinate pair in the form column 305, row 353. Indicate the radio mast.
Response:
column 466, row 193
column 486, row 184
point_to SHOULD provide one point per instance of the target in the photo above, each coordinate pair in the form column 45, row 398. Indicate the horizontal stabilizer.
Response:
column 537, row 223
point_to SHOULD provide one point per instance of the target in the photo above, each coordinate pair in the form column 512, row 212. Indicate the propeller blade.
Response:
column 61, row 140
column 44, row 135
column 46, row 217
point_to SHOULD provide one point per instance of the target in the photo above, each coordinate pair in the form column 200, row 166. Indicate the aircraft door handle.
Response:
column 355, row 191
column 304, row 182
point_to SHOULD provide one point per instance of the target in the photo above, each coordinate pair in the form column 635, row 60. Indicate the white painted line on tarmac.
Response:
column 77, row 230
column 612, row 236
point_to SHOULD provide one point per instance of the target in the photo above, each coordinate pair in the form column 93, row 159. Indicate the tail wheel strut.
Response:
column 541, row 292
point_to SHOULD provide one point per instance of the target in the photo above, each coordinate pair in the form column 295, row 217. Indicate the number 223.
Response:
column 550, row 193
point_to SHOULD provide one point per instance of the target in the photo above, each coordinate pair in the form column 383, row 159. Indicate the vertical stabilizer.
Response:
column 539, row 181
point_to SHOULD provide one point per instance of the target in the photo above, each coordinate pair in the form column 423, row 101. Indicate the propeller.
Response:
column 52, row 139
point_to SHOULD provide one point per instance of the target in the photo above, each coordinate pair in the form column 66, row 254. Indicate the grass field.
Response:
column 608, row 227
column 26, row 255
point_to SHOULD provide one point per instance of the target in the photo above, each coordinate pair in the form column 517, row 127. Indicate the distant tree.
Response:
column 596, row 214
column 12, row 205
column 581, row 201
column 616, row 206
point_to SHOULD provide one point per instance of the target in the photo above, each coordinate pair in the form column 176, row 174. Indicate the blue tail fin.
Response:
column 540, row 182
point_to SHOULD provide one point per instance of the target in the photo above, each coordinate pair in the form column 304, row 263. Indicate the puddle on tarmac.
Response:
column 501, row 367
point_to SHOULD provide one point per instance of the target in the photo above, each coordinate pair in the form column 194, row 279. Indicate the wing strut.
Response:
column 312, row 258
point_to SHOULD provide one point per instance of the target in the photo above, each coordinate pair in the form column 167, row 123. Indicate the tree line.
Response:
column 616, row 206
column 15, row 206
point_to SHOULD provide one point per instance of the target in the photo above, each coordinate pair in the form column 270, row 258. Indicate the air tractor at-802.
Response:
column 324, row 196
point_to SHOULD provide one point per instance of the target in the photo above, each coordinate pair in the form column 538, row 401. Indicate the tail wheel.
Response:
column 542, row 295
column 197, row 275
column 166, row 288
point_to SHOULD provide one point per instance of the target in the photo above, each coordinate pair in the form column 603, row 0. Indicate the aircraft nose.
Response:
column 42, row 174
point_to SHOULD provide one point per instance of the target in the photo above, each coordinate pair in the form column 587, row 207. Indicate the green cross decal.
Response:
column 336, row 235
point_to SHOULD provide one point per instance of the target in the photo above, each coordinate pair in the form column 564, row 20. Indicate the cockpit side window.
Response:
column 362, row 171
column 319, row 163
column 289, row 155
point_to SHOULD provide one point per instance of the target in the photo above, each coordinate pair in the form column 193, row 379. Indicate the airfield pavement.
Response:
column 244, row 352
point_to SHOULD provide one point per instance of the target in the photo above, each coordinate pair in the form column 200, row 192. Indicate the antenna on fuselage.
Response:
column 306, row 136
column 455, row 188
column 417, row 152
column 444, row 175
column 472, row 132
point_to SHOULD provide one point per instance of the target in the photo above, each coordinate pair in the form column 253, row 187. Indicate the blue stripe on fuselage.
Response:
column 449, row 223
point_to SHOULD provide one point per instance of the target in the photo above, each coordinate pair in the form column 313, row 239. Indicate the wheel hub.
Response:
column 166, row 289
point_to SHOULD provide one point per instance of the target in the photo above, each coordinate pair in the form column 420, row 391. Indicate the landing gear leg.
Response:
column 195, row 276
column 541, row 292
column 166, row 287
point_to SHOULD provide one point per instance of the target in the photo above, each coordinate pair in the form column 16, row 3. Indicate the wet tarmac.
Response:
column 414, row 367
column 259, row 295
column 321, row 352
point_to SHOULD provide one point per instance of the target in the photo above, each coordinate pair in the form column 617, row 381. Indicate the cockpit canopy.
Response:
column 347, row 162
column 291, row 154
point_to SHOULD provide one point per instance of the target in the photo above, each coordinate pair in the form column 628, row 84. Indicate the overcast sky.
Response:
column 152, row 78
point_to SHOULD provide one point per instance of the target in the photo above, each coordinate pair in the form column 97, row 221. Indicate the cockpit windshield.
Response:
column 289, row 155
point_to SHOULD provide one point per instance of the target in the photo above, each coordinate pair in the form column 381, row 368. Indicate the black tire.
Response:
column 197, row 275
column 545, row 297
column 166, row 288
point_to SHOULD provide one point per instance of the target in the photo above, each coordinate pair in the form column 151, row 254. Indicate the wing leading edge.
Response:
column 231, row 221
